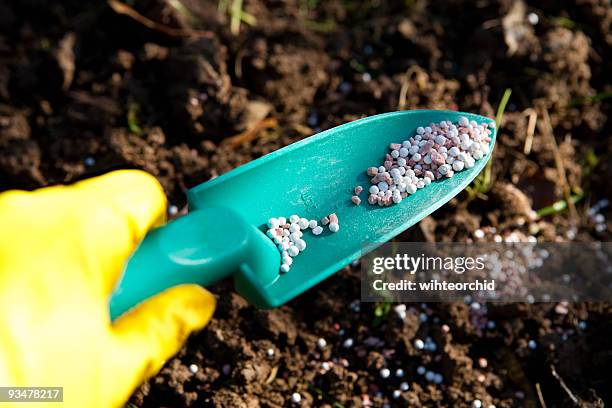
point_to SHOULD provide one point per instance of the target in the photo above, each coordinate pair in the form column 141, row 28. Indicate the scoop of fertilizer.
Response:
column 433, row 152
column 224, row 233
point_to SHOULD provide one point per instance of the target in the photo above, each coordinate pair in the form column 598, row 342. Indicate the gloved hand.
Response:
column 62, row 249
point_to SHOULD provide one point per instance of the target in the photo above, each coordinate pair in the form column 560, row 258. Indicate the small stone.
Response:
column 482, row 362
column 321, row 343
column 400, row 310
column 561, row 308
column 533, row 18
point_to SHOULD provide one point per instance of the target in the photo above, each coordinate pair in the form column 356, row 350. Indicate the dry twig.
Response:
column 531, row 125
column 122, row 8
column 413, row 70
column 540, row 396
column 569, row 392
column 547, row 130
column 251, row 133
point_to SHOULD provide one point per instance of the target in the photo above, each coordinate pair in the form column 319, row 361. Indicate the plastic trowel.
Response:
column 224, row 232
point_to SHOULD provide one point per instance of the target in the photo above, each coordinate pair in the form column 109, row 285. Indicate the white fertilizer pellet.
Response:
column 289, row 237
column 303, row 223
column 436, row 151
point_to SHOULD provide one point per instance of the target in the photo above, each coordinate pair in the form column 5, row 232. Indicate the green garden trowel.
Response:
column 224, row 232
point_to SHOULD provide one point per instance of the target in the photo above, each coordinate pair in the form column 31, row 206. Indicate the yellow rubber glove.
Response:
column 62, row 250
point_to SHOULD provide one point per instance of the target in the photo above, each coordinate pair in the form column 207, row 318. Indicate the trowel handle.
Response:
column 201, row 247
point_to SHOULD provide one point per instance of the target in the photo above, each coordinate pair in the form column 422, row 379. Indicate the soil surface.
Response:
column 169, row 87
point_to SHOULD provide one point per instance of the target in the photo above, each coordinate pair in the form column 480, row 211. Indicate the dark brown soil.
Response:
column 84, row 89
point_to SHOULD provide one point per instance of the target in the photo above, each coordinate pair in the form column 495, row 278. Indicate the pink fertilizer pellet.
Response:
column 437, row 151
column 334, row 225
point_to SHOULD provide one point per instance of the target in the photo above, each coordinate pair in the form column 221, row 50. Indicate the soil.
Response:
column 85, row 89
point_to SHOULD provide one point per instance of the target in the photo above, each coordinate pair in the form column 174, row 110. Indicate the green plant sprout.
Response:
column 558, row 206
column 325, row 396
column 184, row 11
column 563, row 22
column 590, row 99
column 588, row 163
column 482, row 183
column 132, row 118
column 306, row 7
column 381, row 311
column 236, row 13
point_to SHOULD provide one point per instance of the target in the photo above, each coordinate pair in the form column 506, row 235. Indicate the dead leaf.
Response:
column 515, row 26
column 64, row 54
